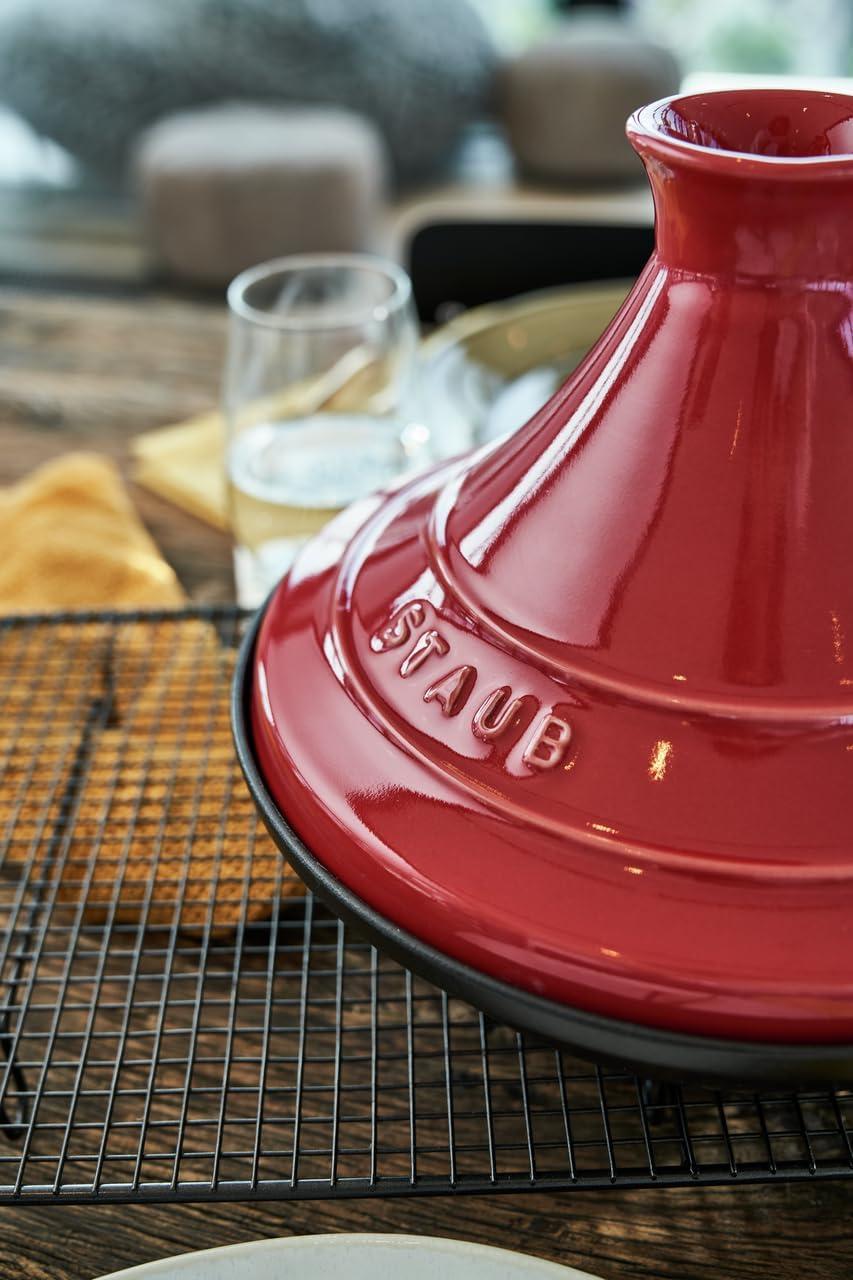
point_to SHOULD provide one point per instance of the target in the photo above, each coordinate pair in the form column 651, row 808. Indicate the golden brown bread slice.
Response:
column 51, row 678
column 172, row 680
column 170, row 836
column 161, row 826
column 118, row 736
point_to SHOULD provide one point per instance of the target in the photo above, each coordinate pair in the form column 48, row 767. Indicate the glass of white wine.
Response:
column 319, row 400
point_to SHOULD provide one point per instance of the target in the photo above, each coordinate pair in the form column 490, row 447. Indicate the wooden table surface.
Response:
column 90, row 373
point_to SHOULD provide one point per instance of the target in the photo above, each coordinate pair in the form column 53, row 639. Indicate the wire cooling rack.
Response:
column 179, row 1021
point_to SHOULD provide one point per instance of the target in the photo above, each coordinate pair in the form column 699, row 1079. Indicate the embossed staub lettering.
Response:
column 496, row 714
column 451, row 692
column 400, row 627
column 429, row 643
column 547, row 746
column 500, row 713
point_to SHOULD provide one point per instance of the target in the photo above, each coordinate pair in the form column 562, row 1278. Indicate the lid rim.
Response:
column 649, row 139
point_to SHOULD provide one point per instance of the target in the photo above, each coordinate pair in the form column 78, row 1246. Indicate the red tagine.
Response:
column 576, row 711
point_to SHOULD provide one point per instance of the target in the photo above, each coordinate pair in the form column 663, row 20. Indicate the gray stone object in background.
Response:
column 93, row 74
column 565, row 101
column 228, row 186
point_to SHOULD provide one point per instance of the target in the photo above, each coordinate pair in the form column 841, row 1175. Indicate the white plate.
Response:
column 352, row 1257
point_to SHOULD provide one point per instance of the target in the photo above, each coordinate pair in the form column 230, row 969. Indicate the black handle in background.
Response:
column 467, row 263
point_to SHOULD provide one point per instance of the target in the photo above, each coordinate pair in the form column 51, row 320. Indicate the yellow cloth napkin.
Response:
column 71, row 539
column 185, row 464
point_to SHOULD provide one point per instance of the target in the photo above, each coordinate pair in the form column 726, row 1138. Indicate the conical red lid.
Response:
column 578, row 709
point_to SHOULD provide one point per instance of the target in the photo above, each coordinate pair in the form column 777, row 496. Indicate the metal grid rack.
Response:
column 179, row 1021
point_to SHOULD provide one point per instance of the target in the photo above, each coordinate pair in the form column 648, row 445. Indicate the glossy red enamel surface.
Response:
column 578, row 709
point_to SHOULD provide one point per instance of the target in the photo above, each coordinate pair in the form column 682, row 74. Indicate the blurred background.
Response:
column 174, row 142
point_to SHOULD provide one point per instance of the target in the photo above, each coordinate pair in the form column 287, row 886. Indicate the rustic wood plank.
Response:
column 735, row 1233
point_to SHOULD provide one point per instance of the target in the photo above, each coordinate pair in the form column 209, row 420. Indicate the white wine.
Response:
column 287, row 479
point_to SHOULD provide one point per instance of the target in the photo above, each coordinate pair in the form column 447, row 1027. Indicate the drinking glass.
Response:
column 319, row 401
